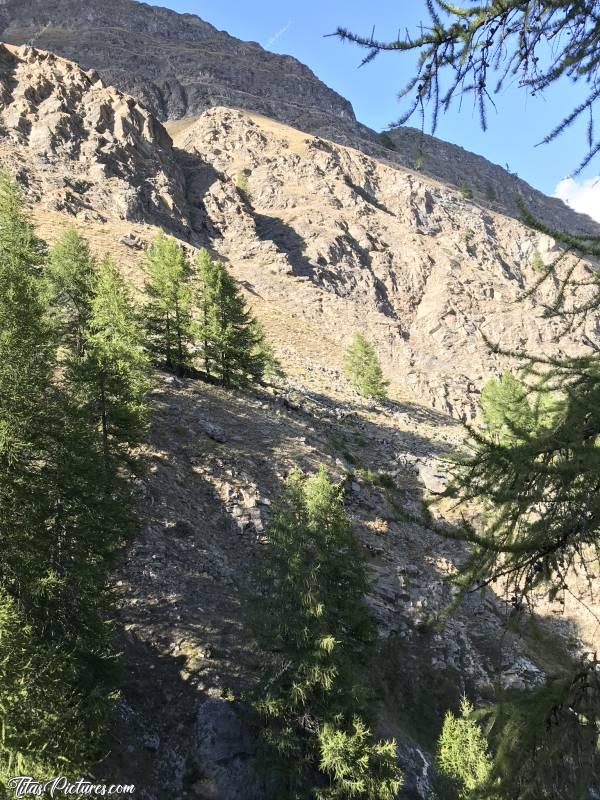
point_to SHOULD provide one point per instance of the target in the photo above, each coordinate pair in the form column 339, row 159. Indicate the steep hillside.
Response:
column 318, row 232
column 179, row 66
column 486, row 183
column 84, row 148
column 325, row 240
column 347, row 242
column 176, row 64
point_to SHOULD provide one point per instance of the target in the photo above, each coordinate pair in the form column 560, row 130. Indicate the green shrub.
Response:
column 241, row 181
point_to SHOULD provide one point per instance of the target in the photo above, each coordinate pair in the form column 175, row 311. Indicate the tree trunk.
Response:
column 168, row 335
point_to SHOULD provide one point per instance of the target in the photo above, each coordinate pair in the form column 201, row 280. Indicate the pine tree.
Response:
column 313, row 616
column 50, row 722
column 26, row 355
column 114, row 371
column 512, row 412
column 207, row 270
column 356, row 766
column 506, row 410
column 233, row 343
column 540, row 491
column 70, row 276
column 363, row 368
column 26, row 362
column 269, row 366
column 167, row 312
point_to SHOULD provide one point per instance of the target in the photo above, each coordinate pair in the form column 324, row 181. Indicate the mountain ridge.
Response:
column 161, row 58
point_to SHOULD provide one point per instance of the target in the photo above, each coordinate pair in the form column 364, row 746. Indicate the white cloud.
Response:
column 581, row 196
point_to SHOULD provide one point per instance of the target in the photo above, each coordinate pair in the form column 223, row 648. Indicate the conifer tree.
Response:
column 314, row 621
column 54, row 637
column 270, row 366
column 167, row 312
column 26, row 355
column 233, row 343
column 463, row 757
column 50, row 722
column 363, row 368
column 512, row 412
column 70, row 276
column 207, row 299
column 26, row 363
column 114, row 371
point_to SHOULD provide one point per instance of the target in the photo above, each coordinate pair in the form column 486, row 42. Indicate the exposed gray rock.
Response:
column 178, row 65
column 225, row 754
column 432, row 476
column 133, row 241
column 215, row 432
column 522, row 675
column 487, row 183
column 84, row 148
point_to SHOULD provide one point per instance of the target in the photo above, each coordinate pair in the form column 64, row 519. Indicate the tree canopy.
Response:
column 478, row 47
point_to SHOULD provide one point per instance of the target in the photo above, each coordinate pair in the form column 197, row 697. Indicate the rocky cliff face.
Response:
column 178, row 66
column 84, row 148
column 487, row 184
column 348, row 242
column 327, row 234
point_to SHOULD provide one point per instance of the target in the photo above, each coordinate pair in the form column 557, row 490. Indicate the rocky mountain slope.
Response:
column 82, row 147
column 178, row 66
column 320, row 232
column 324, row 239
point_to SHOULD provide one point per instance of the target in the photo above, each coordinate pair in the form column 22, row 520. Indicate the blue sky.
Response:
column 298, row 28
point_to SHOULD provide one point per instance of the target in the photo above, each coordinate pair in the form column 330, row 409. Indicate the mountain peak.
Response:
column 175, row 64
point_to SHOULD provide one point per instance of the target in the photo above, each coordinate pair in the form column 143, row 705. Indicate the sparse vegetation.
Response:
column 537, row 263
column 241, row 182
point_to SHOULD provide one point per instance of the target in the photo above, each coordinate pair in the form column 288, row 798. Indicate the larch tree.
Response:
column 53, row 700
column 234, row 349
column 168, row 311
column 70, row 275
column 313, row 620
column 363, row 368
column 114, row 371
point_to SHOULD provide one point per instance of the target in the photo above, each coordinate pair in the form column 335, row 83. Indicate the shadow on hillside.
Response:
column 199, row 176
column 182, row 618
column 351, row 416
column 285, row 238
